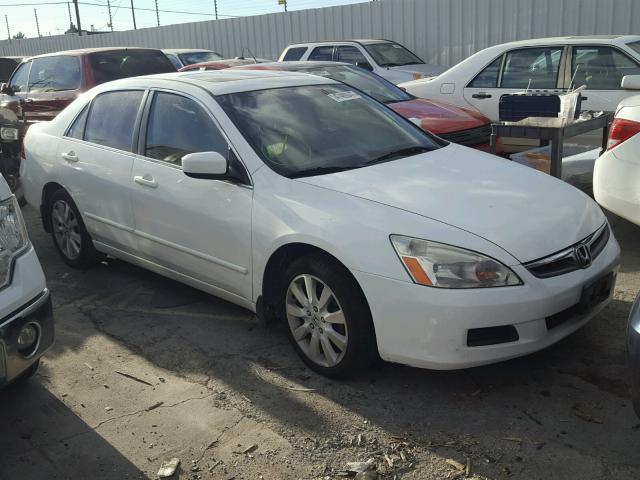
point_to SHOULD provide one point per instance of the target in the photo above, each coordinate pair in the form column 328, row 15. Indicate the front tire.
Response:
column 70, row 236
column 328, row 319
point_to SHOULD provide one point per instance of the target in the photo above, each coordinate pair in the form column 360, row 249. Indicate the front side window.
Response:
column 318, row 129
column 488, row 78
column 294, row 53
column 601, row 68
column 199, row 57
column 322, row 54
column 174, row 60
column 532, row 68
column 112, row 119
column 349, row 54
column 371, row 84
column 20, row 78
column 7, row 66
column 178, row 126
column 54, row 74
column 112, row 65
column 391, row 54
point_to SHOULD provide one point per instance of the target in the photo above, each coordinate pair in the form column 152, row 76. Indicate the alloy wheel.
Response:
column 316, row 320
column 66, row 229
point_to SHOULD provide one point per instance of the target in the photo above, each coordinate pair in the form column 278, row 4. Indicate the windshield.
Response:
column 198, row 57
column 370, row 83
column 316, row 129
column 391, row 54
column 635, row 46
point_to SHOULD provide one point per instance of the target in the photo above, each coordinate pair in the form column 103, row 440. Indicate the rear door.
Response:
column 536, row 68
column 97, row 151
column 601, row 69
column 54, row 82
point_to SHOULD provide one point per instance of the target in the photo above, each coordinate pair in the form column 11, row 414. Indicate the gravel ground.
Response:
column 211, row 386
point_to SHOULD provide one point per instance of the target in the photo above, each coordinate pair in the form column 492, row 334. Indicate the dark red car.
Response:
column 222, row 64
column 453, row 123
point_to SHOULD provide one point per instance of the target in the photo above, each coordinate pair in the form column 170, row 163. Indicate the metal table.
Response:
column 553, row 130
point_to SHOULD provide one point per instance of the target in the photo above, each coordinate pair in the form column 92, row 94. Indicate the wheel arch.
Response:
column 47, row 192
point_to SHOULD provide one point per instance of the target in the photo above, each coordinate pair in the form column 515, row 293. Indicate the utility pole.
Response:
column 215, row 8
column 109, row 10
column 157, row 13
column 6, row 19
column 285, row 5
column 75, row 3
column 70, row 18
column 133, row 14
column 35, row 12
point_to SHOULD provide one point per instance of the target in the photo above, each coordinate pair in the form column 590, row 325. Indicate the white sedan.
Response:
column 599, row 62
column 306, row 201
column 616, row 176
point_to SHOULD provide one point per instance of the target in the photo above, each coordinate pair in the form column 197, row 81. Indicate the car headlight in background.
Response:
column 439, row 265
column 13, row 237
column 9, row 134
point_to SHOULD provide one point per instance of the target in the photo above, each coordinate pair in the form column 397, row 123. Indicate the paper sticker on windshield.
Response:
column 344, row 96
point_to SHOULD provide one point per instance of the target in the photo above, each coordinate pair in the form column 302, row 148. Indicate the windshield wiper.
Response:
column 310, row 172
column 403, row 152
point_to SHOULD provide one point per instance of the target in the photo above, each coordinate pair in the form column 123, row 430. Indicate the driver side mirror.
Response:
column 365, row 65
column 205, row 165
column 6, row 89
column 631, row 82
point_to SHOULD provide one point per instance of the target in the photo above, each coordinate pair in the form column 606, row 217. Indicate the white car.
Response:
column 388, row 59
column 551, row 64
column 616, row 176
column 304, row 200
column 26, row 318
column 181, row 57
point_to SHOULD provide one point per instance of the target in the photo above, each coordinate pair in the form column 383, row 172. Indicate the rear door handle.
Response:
column 481, row 95
column 70, row 156
column 146, row 180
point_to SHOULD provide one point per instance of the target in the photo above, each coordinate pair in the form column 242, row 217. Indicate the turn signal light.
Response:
column 621, row 130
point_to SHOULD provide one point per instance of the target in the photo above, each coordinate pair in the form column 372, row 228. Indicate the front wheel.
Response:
column 329, row 322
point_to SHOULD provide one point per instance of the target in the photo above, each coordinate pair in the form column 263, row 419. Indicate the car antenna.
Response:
column 250, row 53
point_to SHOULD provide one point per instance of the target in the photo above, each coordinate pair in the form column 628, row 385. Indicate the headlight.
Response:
column 13, row 237
column 444, row 266
column 9, row 133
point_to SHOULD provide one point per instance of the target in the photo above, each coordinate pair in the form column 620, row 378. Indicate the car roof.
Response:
column 221, row 82
column 88, row 51
column 576, row 39
column 298, row 64
column 186, row 50
column 362, row 41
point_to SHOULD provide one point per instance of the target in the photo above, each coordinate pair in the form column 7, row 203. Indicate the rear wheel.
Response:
column 70, row 236
column 328, row 319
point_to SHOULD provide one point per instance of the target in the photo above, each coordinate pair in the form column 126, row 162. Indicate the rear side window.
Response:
column 20, row 78
column 54, row 74
column 112, row 119
column 322, row 54
column 178, row 126
column 77, row 129
column 108, row 66
column 488, row 78
column 601, row 68
column 294, row 53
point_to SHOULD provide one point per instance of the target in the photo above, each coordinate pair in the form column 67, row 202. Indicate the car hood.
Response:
column 438, row 117
column 527, row 213
column 423, row 69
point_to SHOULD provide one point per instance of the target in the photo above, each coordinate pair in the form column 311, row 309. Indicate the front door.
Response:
column 196, row 227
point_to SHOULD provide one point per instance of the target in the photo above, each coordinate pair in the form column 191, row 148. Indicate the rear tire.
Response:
column 328, row 320
column 69, row 234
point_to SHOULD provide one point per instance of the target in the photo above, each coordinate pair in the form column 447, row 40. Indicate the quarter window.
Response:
column 77, row 129
column 54, row 74
column 112, row 119
column 20, row 78
column 178, row 126
column 601, row 68
column 488, row 78
column 322, row 54
column 294, row 54
column 349, row 54
column 532, row 68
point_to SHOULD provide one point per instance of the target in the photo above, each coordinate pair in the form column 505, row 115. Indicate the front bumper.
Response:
column 633, row 349
column 37, row 311
column 429, row 327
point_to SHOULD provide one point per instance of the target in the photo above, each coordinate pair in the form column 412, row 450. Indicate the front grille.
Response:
column 471, row 137
column 566, row 261
column 478, row 337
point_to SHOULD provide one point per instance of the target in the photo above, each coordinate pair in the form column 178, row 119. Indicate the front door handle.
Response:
column 146, row 180
column 70, row 156
column 481, row 95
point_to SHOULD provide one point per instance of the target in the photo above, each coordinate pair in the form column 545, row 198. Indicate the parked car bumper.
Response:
column 615, row 185
column 633, row 348
column 431, row 328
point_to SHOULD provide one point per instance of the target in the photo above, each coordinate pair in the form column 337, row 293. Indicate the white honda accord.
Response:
column 308, row 202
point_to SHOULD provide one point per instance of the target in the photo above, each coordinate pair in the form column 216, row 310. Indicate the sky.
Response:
column 53, row 15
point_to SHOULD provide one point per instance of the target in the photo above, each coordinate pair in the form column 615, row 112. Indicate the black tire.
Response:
column 28, row 373
column 87, row 256
column 361, row 350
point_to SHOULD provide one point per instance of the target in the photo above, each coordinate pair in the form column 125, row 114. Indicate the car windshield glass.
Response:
column 370, row 83
column 198, row 57
column 391, row 54
column 112, row 65
column 635, row 46
column 316, row 129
